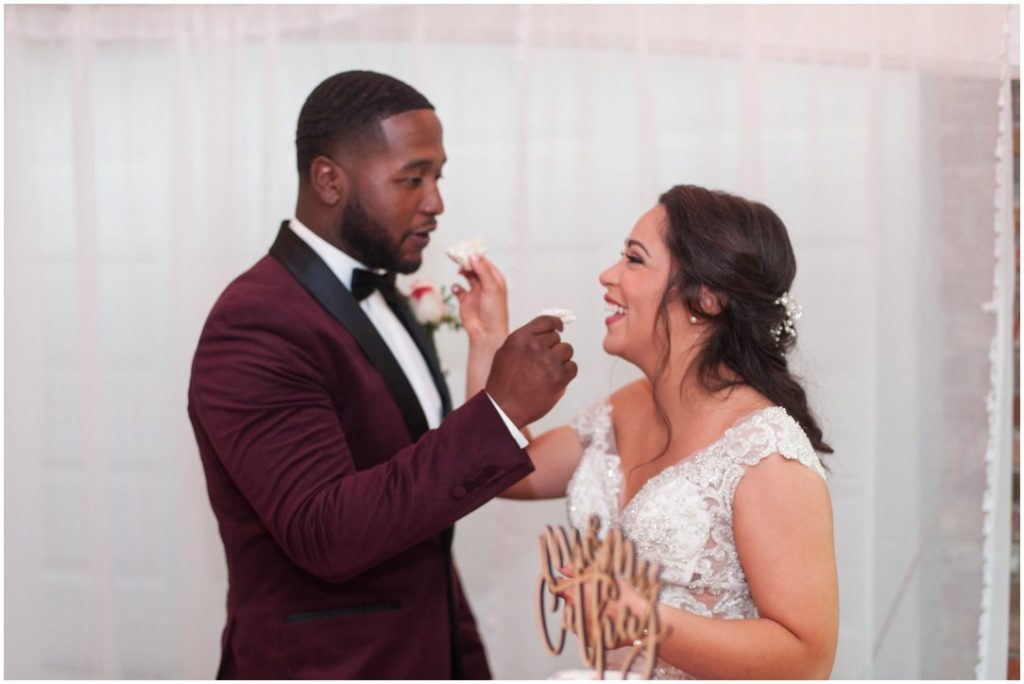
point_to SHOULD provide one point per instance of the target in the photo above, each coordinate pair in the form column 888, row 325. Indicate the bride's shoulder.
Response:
column 768, row 432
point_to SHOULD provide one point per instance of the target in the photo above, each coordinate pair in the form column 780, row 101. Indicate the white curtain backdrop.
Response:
column 149, row 160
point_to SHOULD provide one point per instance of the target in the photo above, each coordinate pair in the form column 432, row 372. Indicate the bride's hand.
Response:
column 627, row 599
column 484, row 307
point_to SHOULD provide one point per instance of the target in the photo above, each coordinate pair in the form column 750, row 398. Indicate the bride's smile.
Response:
column 617, row 310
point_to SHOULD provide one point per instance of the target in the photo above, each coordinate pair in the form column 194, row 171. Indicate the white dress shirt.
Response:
column 391, row 330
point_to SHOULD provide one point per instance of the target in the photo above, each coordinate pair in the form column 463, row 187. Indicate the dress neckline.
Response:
column 690, row 458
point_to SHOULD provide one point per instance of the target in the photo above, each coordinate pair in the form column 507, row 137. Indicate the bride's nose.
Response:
column 609, row 276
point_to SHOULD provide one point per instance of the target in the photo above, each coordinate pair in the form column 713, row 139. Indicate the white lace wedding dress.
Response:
column 682, row 517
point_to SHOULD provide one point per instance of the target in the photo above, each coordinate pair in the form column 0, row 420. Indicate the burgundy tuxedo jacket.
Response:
column 334, row 502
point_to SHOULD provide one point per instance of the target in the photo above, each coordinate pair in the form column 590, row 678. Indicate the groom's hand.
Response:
column 531, row 370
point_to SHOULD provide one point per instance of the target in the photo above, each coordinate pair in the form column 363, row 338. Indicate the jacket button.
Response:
column 490, row 471
column 459, row 492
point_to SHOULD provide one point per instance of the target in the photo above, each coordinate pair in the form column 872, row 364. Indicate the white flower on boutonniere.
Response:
column 433, row 306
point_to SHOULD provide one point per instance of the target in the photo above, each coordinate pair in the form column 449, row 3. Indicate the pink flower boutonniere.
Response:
column 433, row 306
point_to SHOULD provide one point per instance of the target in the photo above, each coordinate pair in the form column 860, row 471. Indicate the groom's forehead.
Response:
column 419, row 129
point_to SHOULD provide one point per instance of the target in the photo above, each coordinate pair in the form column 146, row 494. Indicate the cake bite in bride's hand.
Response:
column 483, row 308
column 461, row 253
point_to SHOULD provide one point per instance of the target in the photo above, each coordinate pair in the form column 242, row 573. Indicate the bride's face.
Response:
column 634, row 287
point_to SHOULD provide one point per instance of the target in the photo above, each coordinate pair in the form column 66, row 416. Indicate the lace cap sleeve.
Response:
column 768, row 432
column 592, row 422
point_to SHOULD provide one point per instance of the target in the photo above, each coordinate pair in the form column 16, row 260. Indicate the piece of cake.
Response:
column 566, row 315
column 459, row 253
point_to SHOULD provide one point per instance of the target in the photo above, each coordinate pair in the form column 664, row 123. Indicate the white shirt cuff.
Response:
column 516, row 434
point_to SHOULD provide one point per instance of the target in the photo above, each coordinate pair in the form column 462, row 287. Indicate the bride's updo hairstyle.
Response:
column 740, row 251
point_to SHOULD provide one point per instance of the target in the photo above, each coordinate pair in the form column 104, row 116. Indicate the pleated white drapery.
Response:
column 149, row 160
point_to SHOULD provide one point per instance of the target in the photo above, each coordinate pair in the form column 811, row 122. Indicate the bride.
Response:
column 709, row 463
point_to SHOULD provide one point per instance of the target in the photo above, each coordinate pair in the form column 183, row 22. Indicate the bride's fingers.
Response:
column 499, row 276
column 465, row 297
column 470, row 288
column 473, row 280
column 490, row 276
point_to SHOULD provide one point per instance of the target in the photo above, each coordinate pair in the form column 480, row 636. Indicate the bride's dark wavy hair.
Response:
column 740, row 251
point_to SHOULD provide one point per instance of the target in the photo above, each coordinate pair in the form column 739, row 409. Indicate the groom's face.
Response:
column 394, row 201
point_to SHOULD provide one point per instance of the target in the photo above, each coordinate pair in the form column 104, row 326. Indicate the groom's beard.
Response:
column 371, row 242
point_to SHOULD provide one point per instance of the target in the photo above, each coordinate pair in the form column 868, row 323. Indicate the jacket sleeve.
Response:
column 264, row 405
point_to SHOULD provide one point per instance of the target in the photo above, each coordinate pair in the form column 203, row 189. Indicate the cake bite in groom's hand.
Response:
column 531, row 370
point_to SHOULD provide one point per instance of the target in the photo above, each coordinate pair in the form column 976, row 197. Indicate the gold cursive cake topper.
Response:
column 593, row 568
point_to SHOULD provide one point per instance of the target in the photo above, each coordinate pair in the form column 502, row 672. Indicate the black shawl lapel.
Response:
column 426, row 347
column 317, row 278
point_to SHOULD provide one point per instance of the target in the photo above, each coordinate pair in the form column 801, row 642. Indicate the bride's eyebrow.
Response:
column 637, row 243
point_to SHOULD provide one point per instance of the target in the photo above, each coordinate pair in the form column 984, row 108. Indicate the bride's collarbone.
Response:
column 644, row 452
column 644, row 447
column 645, row 444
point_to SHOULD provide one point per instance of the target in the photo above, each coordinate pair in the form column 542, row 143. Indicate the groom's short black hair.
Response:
column 349, row 107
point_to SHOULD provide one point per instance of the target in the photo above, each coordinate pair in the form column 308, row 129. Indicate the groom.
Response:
column 334, row 463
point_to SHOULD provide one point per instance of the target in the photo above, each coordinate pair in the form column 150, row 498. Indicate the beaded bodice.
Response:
column 682, row 517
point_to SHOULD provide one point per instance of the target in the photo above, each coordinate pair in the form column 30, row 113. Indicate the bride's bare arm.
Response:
column 483, row 309
column 555, row 455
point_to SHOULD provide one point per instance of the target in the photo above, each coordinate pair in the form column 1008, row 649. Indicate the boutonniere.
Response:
column 433, row 306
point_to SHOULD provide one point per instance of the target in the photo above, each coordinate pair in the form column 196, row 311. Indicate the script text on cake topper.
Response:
column 593, row 569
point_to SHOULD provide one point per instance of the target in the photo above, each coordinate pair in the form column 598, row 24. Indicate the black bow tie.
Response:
column 365, row 282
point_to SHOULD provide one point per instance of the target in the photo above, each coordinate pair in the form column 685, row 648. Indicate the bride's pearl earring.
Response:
column 693, row 320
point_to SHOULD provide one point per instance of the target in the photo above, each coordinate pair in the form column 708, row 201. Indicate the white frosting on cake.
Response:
column 566, row 315
column 459, row 253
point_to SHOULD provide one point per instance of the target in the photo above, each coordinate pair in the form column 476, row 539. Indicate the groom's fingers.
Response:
column 571, row 369
column 527, row 378
column 549, row 339
column 544, row 324
column 562, row 351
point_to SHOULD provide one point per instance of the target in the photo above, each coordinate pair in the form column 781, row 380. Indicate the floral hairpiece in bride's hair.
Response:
column 793, row 313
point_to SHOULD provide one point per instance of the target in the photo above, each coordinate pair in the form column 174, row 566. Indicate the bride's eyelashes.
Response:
column 632, row 258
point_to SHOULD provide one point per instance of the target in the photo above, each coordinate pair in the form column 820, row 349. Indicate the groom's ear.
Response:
column 329, row 180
